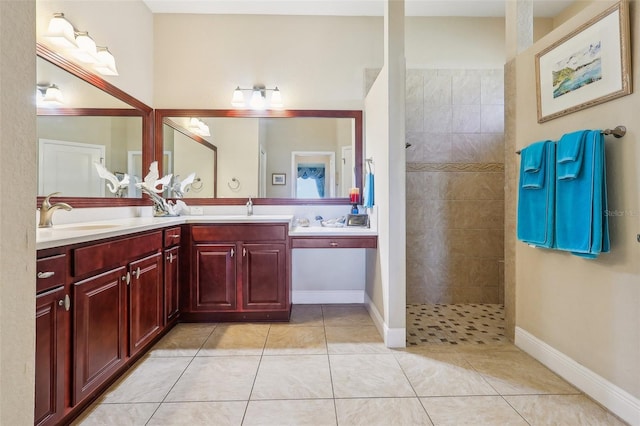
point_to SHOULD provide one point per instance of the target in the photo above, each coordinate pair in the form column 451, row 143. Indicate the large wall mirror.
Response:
column 92, row 122
column 276, row 157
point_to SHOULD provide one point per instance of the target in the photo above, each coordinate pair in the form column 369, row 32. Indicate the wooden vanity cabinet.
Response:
column 51, row 360
column 172, row 238
column 239, row 272
column 118, row 298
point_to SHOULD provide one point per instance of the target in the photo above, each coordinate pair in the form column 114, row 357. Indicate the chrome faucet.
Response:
column 249, row 207
column 47, row 209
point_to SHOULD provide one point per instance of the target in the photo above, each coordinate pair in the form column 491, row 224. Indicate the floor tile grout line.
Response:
column 515, row 409
column 326, row 343
column 255, row 378
column 170, row 389
column 204, row 341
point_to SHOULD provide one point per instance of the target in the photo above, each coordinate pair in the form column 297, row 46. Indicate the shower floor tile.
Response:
column 474, row 323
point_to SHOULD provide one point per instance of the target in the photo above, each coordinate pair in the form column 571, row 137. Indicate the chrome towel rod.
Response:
column 618, row 132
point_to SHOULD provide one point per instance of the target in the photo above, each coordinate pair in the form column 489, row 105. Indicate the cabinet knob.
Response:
column 170, row 258
column 332, row 244
column 47, row 274
column 126, row 278
column 66, row 302
column 232, row 252
column 137, row 273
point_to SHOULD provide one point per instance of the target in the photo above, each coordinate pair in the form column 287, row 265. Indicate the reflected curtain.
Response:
column 316, row 173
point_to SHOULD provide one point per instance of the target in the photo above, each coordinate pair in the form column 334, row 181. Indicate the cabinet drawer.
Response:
column 114, row 253
column 51, row 272
column 335, row 242
column 248, row 232
column 172, row 236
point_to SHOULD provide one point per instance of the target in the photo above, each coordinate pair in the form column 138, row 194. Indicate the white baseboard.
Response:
column 393, row 337
column 618, row 401
column 309, row 297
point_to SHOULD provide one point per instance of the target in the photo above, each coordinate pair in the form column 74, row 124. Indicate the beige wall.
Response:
column 125, row 27
column 18, row 175
column 317, row 62
column 587, row 309
column 237, row 142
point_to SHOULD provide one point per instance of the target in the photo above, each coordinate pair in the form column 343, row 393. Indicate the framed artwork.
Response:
column 278, row 179
column 587, row 67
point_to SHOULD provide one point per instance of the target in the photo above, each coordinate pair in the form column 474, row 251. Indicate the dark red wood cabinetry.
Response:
column 172, row 238
column 99, row 338
column 145, row 301
column 50, row 356
column 238, row 272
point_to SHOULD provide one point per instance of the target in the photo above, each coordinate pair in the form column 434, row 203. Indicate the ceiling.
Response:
column 475, row 8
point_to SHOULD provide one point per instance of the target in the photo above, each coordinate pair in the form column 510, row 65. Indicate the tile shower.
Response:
column 455, row 187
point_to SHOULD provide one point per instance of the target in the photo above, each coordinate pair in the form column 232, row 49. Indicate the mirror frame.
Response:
column 138, row 109
column 161, row 114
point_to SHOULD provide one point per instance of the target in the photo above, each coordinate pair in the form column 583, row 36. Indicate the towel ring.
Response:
column 234, row 185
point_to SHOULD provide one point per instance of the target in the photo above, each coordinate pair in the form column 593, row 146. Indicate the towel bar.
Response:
column 618, row 132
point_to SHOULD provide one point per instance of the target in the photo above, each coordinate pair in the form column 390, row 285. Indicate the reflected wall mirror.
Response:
column 276, row 157
column 97, row 122
column 186, row 152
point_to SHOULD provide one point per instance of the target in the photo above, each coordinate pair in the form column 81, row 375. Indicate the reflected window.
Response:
column 311, row 181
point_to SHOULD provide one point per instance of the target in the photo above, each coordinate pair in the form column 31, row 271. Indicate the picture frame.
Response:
column 589, row 66
column 278, row 178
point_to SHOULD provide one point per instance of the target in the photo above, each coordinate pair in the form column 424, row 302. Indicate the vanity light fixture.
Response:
column 80, row 45
column 49, row 94
column 61, row 32
column 87, row 51
column 198, row 127
column 106, row 62
column 258, row 98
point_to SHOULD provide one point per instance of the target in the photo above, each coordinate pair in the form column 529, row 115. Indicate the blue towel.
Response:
column 536, row 205
column 570, row 154
column 369, row 190
column 532, row 164
column 532, row 157
column 582, row 227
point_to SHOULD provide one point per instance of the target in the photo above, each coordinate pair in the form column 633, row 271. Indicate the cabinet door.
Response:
column 50, row 363
column 99, row 339
column 264, row 281
column 214, row 276
column 145, row 301
column 171, row 283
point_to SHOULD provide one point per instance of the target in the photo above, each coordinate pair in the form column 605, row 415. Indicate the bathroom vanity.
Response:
column 106, row 291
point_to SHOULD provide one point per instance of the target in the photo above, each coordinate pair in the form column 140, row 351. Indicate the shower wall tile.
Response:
column 477, row 147
column 482, row 243
column 455, row 186
column 437, row 90
column 492, row 87
column 476, row 214
column 466, row 119
column 437, row 118
column 437, row 148
column 414, row 153
column 466, row 88
column 475, row 186
column 414, row 101
column 492, row 119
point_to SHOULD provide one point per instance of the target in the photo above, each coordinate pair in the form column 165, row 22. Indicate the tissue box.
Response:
column 361, row 220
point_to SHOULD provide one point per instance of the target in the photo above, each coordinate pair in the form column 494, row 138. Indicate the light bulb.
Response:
column 238, row 98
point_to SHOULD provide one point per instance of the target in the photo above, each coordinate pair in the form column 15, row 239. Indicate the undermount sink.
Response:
column 94, row 227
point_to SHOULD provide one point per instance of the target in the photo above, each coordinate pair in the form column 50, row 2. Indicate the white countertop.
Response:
column 61, row 235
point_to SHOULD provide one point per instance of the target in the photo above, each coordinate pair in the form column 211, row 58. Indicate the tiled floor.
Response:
column 329, row 366
column 455, row 324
